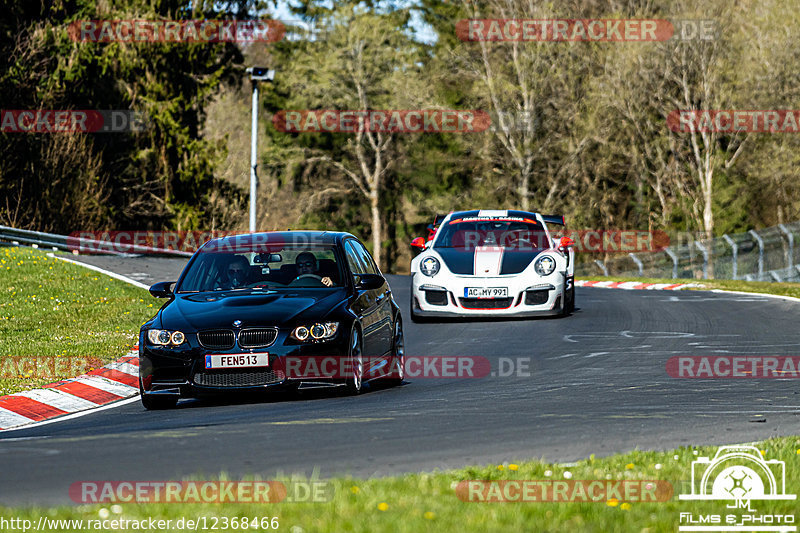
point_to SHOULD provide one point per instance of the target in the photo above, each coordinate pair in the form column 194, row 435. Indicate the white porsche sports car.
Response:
column 492, row 263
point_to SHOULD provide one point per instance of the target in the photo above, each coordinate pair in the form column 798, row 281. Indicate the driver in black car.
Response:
column 235, row 274
column 307, row 266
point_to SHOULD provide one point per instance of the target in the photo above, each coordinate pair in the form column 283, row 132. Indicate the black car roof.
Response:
column 311, row 236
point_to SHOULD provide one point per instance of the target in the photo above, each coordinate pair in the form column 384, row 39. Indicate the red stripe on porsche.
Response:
column 93, row 394
column 116, row 375
column 30, row 408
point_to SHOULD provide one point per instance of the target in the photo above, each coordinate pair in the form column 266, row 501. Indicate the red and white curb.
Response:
column 114, row 382
column 635, row 285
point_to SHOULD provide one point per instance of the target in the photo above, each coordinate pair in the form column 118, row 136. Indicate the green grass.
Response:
column 58, row 319
column 763, row 287
column 53, row 309
column 428, row 502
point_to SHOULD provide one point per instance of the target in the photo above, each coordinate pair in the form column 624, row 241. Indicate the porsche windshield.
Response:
column 469, row 233
column 290, row 267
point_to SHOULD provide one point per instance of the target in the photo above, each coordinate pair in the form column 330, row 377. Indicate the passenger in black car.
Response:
column 235, row 275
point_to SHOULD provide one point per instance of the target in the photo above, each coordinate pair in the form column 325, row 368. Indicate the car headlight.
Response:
column 317, row 332
column 162, row 337
column 429, row 266
column 545, row 265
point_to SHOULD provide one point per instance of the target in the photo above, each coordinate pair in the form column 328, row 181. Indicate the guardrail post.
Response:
column 790, row 238
column 674, row 258
column 638, row 263
column 760, row 242
column 704, row 250
column 602, row 267
column 735, row 249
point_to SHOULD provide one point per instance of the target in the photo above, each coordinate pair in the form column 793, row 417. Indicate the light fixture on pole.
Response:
column 256, row 74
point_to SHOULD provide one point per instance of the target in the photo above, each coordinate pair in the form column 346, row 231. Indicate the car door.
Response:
column 364, row 305
column 383, row 300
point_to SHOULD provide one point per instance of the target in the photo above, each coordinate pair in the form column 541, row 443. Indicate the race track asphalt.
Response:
column 595, row 382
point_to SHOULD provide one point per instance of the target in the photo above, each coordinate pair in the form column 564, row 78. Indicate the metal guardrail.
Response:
column 40, row 239
column 769, row 254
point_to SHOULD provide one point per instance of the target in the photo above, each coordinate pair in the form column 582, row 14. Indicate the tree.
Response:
column 362, row 61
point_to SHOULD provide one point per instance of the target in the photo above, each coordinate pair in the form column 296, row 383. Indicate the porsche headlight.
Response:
column 317, row 332
column 429, row 266
column 162, row 337
column 545, row 265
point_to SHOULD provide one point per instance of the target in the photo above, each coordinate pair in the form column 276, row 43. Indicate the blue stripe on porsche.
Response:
column 515, row 261
column 462, row 262
column 458, row 260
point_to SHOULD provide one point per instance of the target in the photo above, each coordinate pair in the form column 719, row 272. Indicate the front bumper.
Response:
column 432, row 297
column 181, row 372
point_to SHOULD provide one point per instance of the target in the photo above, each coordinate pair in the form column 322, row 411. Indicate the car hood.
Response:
column 487, row 260
column 220, row 309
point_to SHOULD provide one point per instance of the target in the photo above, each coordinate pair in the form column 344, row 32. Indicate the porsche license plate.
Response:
column 237, row 360
column 486, row 292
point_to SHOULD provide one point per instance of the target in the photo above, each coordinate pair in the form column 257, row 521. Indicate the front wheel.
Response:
column 415, row 318
column 356, row 360
column 156, row 402
column 398, row 361
column 569, row 301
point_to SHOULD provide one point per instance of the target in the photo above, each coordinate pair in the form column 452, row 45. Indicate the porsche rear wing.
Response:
column 437, row 219
column 554, row 219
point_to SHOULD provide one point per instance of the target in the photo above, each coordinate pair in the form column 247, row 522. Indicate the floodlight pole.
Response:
column 256, row 74
column 253, row 158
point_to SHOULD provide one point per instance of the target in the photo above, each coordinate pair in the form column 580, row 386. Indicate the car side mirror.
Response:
column 566, row 242
column 369, row 282
column 162, row 289
column 419, row 242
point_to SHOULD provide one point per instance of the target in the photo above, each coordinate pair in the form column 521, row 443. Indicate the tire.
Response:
column 156, row 403
column 415, row 318
column 398, row 354
column 571, row 299
column 355, row 381
column 568, row 297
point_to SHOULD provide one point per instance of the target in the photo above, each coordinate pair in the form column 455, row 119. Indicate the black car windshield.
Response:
column 505, row 232
column 281, row 267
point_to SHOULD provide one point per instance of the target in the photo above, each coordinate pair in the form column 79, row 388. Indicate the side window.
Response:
column 356, row 266
column 363, row 254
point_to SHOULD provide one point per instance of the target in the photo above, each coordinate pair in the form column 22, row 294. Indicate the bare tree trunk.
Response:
column 377, row 238
column 523, row 191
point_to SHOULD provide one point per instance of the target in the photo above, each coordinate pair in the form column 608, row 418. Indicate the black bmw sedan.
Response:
column 271, row 309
